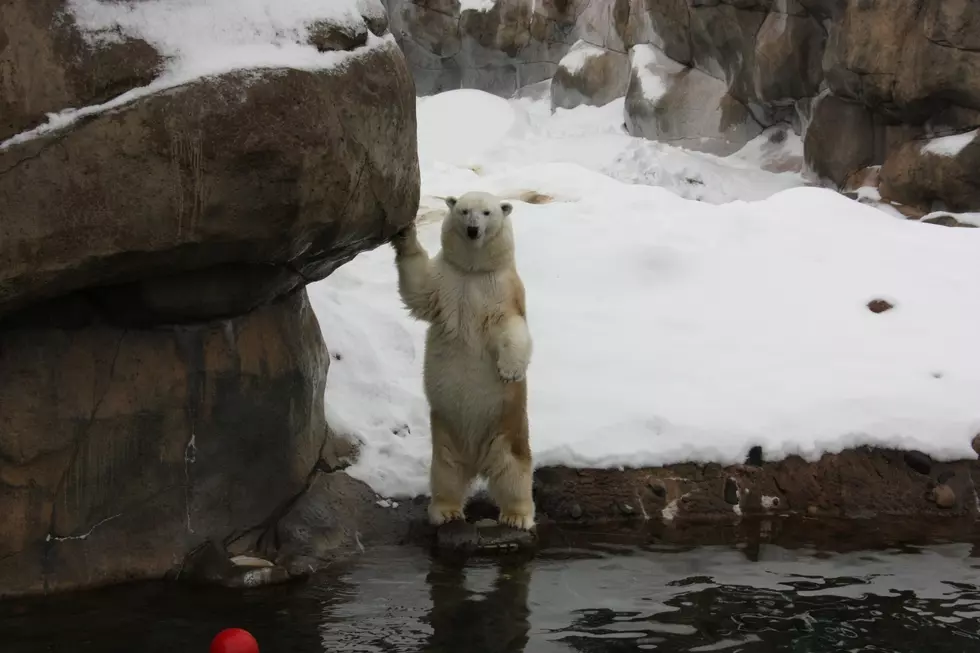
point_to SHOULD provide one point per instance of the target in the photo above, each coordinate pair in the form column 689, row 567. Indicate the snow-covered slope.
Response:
column 668, row 329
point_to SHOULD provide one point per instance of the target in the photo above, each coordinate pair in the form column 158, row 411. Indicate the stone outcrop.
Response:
column 943, row 173
column 162, row 374
column 858, row 79
column 122, row 448
column 589, row 75
column 500, row 49
column 683, row 106
column 240, row 197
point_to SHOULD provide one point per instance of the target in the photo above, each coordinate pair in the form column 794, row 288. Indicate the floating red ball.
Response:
column 234, row 640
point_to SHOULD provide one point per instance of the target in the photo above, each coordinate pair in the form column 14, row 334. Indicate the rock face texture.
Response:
column 862, row 81
column 667, row 101
column 161, row 371
column 589, row 75
column 121, row 448
column 241, row 197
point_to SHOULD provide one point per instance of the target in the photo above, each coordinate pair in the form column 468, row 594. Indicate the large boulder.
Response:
column 723, row 43
column 123, row 449
column 664, row 24
column 839, row 140
column 589, row 75
column 683, row 106
column 215, row 197
column 936, row 174
column 162, row 373
column 789, row 52
column 907, row 60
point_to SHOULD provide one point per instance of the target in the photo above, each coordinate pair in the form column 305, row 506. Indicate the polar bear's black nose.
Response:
column 473, row 232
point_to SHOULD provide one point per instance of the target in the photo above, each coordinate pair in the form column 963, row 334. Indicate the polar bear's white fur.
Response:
column 477, row 352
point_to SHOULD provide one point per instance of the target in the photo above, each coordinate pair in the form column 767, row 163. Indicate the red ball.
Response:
column 234, row 640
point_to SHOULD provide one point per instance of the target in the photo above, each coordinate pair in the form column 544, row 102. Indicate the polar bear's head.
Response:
column 477, row 234
column 477, row 217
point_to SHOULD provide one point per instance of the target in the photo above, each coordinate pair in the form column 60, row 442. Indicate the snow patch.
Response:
column 652, row 69
column 668, row 329
column 868, row 194
column 476, row 5
column 579, row 55
column 950, row 146
column 457, row 127
column 777, row 149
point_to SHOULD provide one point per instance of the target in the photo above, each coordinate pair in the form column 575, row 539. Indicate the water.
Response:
column 599, row 599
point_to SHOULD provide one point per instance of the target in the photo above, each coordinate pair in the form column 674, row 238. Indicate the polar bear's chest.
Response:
column 468, row 305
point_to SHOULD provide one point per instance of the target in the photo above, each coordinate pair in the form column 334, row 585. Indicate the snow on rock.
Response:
column 578, row 56
column 652, row 70
column 590, row 75
column 950, row 146
column 672, row 330
column 669, row 102
column 457, row 127
column 777, row 149
column 971, row 218
column 213, row 37
column 476, row 5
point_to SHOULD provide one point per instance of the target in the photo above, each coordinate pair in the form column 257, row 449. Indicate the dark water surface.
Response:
column 593, row 600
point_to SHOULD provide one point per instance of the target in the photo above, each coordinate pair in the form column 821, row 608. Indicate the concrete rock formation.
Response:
column 859, row 79
column 589, row 75
column 161, row 371
column 684, row 106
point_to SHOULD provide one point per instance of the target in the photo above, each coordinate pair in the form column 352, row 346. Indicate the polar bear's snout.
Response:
column 473, row 232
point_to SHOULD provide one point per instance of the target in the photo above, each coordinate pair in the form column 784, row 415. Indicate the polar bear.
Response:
column 477, row 352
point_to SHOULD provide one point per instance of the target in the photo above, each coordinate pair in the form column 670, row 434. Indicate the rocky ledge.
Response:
column 859, row 498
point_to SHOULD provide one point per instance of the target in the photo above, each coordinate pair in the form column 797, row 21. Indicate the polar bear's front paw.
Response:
column 511, row 369
column 439, row 515
column 521, row 521
column 406, row 241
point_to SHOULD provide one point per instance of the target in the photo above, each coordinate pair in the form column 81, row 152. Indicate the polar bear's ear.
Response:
column 506, row 207
column 451, row 202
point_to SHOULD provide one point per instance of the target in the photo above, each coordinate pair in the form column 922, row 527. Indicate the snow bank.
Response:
column 950, row 146
column 471, row 140
column 458, row 127
column 200, row 38
column 672, row 330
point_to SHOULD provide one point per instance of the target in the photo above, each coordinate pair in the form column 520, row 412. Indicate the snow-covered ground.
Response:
column 668, row 329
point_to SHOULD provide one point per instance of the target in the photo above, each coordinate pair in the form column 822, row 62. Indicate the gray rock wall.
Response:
column 859, row 79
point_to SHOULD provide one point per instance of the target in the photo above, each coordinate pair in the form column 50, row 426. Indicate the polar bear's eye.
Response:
column 486, row 213
column 465, row 211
